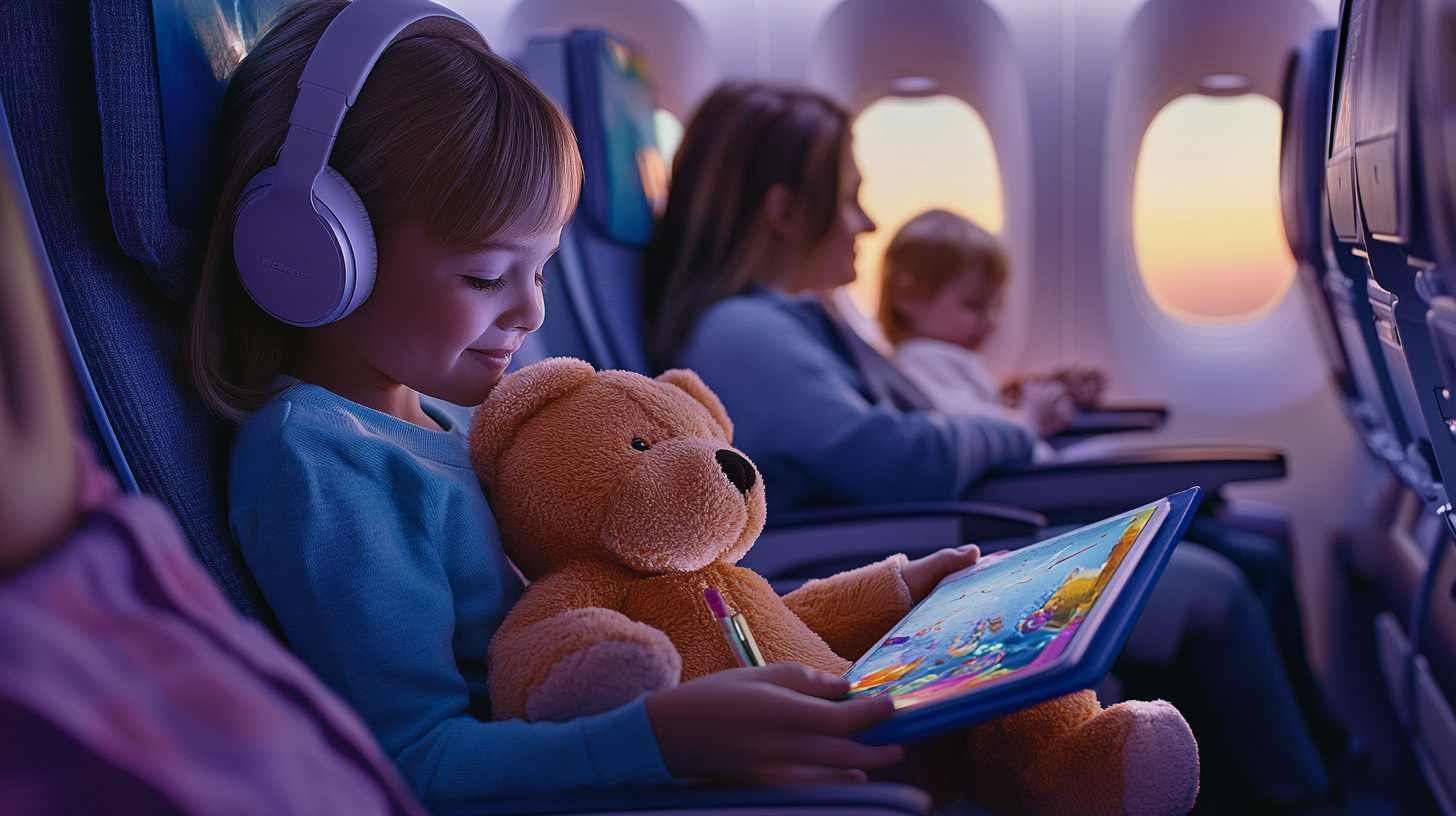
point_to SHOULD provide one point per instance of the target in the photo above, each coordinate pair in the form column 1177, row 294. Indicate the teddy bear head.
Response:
column 614, row 466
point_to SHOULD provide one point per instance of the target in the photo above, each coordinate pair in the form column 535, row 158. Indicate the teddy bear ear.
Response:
column 518, row 397
column 690, row 382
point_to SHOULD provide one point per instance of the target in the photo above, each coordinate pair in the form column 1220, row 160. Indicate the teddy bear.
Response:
column 620, row 498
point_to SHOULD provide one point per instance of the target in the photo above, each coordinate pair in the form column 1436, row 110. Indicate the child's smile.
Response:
column 440, row 322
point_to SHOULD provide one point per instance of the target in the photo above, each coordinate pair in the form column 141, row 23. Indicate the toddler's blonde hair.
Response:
column 927, row 253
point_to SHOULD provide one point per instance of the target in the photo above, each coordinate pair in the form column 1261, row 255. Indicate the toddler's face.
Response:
column 963, row 312
column 445, row 323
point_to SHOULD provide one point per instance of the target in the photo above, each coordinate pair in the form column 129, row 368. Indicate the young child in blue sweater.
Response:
column 350, row 493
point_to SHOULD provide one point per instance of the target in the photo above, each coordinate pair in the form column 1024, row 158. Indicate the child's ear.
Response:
column 690, row 382
column 515, row 399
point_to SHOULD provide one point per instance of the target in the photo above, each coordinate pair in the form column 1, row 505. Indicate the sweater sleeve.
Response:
column 353, row 570
column 797, row 412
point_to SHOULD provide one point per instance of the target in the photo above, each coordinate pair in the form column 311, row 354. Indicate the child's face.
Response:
column 445, row 323
column 963, row 312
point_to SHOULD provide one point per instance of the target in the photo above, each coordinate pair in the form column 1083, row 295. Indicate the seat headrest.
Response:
column 161, row 71
column 1302, row 151
column 612, row 106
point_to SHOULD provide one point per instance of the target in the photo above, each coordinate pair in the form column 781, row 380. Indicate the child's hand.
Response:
column 1047, row 406
column 778, row 724
column 1084, row 384
column 922, row 574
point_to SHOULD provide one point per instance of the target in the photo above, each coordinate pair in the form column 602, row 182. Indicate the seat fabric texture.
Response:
column 126, row 322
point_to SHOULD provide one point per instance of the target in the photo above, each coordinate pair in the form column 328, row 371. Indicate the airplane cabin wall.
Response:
column 1067, row 89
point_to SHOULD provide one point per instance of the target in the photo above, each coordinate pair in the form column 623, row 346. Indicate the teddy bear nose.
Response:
column 739, row 470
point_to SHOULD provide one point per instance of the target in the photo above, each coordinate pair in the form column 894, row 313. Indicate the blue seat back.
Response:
column 594, row 292
column 1370, row 139
column 1394, row 229
column 1301, row 187
column 82, row 88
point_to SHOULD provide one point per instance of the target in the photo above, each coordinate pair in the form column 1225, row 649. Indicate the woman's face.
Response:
column 831, row 264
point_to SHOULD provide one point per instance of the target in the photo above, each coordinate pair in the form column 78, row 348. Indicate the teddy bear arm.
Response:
column 578, row 586
column 576, row 663
column 853, row 609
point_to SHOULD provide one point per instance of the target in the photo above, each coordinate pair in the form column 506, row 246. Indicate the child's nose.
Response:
column 528, row 311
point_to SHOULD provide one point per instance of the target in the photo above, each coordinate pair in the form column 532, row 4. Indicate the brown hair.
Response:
column 713, row 240
column 444, row 133
column 926, row 254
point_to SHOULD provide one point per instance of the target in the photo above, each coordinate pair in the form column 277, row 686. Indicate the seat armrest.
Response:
column 820, row 542
column 1087, row 490
column 869, row 799
column 1119, row 419
column 978, row 519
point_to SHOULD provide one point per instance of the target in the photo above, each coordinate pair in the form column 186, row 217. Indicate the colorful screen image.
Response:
column 1008, row 616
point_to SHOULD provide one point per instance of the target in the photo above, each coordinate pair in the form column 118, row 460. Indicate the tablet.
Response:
column 1022, row 626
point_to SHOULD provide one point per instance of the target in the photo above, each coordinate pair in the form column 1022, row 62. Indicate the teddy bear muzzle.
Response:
column 688, row 503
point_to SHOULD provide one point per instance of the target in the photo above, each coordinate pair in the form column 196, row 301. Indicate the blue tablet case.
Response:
column 921, row 722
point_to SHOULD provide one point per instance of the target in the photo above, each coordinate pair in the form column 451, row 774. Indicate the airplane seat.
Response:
column 1305, row 104
column 86, row 116
column 1372, row 207
column 605, row 87
column 1398, row 132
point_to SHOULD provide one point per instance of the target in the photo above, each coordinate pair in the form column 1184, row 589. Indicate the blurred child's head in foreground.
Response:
column 942, row 279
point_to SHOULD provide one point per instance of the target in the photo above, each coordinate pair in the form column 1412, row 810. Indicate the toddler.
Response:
column 350, row 492
column 940, row 293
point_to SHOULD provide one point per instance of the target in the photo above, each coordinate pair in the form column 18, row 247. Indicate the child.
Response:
column 940, row 293
column 350, row 493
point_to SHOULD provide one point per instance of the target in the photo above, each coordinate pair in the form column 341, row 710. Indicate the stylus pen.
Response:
column 735, row 630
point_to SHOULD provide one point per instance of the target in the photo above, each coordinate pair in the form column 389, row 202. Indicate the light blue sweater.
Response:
column 372, row 541
column 804, row 414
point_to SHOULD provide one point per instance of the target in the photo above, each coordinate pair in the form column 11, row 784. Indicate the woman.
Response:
column 759, row 228
column 760, row 225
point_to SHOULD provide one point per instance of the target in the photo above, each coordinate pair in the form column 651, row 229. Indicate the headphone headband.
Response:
column 343, row 58
column 303, row 241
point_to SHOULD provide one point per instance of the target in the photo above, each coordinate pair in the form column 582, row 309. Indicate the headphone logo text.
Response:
column 285, row 268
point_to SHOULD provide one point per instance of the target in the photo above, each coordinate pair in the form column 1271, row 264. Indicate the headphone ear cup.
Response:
column 350, row 220
column 306, row 259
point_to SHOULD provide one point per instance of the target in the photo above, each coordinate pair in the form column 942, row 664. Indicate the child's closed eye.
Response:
column 485, row 284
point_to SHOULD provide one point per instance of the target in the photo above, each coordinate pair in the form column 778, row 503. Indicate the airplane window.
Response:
column 669, row 134
column 916, row 154
column 1206, row 219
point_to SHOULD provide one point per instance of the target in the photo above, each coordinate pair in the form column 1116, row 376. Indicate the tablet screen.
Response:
column 1007, row 616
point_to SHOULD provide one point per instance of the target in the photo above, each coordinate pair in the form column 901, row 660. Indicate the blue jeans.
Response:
column 1205, row 642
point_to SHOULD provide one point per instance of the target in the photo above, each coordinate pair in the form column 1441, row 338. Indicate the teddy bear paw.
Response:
column 1159, row 762
column 602, row 677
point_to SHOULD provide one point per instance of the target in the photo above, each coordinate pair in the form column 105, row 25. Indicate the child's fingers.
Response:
column 848, row 717
column 807, row 775
column 841, row 752
column 800, row 678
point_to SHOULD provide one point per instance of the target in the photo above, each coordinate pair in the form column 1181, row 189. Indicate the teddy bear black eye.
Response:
column 640, row 444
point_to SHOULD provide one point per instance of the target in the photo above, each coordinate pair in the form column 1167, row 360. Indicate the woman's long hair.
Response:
column 444, row 133
column 713, row 240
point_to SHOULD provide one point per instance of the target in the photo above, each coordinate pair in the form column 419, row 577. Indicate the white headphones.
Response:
column 302, row 240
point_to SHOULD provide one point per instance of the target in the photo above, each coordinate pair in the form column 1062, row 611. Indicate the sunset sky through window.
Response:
column 1206, row 226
